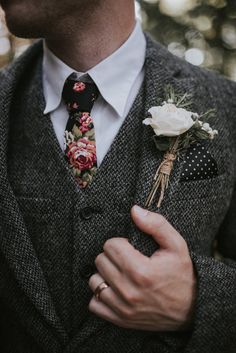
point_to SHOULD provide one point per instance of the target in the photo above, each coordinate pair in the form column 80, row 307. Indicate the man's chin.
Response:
column 19, row 21
column 22, row 29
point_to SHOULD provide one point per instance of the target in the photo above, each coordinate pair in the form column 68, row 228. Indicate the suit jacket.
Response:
column 51, row 231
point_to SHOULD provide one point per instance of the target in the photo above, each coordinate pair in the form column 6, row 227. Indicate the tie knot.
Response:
column 79, row 95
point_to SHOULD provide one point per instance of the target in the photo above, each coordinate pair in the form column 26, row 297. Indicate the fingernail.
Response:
column 141, row 212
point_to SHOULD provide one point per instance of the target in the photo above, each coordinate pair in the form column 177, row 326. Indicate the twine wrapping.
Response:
column 162, row 176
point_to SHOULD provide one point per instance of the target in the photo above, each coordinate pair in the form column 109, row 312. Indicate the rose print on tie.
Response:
column 79, row 138
column 79, row 86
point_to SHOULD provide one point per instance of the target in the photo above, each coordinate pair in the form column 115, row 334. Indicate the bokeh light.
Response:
column 203, row 32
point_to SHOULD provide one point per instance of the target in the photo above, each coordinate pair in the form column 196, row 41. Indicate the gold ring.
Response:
column 99, row 289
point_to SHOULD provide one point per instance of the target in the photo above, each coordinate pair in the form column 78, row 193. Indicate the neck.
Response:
column 84, row 44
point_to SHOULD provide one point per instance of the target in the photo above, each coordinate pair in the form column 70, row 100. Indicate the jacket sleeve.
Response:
column 214, row 327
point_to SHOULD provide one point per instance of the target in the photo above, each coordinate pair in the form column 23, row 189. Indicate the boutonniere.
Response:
column 175, row 128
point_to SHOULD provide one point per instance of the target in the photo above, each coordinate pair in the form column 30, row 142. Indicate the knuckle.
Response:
column 144, row 280
column 108, row 244
column 126, row 313
column 160, row 219
column 141, row 277
column 91, row 306
column 92, row 280
column 98, row 259
column 131, row 297
column 187, row 262
column 114, row 244
column 182, row 245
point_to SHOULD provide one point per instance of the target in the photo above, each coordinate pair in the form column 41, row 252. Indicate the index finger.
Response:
column 123, row 254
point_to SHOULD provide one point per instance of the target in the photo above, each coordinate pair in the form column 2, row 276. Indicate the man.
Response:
column 83, row 267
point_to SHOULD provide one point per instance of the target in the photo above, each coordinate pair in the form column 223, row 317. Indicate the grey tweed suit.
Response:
column 51, row 232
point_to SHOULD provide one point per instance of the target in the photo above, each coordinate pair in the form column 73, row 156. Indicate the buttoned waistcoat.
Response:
column 51, row 231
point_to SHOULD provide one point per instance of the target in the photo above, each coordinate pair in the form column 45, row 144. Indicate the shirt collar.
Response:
column 113, row 76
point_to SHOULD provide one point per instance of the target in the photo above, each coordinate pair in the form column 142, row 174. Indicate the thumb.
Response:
column 156, row 225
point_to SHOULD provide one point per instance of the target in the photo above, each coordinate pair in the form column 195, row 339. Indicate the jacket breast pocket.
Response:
column 215, row 188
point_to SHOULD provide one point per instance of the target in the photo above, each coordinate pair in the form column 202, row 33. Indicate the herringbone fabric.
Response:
column 51, row 231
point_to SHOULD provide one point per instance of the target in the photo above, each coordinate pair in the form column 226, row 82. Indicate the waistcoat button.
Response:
column 87, row 271
column 86, row 213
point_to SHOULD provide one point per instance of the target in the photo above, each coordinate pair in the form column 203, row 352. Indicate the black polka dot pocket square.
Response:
column 198, row 164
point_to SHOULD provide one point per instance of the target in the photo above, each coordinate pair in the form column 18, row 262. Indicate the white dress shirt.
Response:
column 118, row 78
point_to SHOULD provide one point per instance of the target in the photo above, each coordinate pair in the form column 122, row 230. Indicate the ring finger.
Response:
column 107, row 296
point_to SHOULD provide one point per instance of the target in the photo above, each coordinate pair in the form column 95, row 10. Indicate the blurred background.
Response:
column 202, row 32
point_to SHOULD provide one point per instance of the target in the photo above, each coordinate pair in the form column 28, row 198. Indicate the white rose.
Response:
column 206, row 127
column 212, row 133
column 168, row 120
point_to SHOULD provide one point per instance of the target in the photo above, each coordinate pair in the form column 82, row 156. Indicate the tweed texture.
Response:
column 48, row 246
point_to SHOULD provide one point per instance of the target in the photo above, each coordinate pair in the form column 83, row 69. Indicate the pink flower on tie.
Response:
column 86, row 123
column 79, row 87
column 82, row 154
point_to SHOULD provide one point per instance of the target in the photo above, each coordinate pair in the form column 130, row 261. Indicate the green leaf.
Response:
column 87, row 177
column 76, row 172
column 76, row 132
column 201, row 134
column 90, row 133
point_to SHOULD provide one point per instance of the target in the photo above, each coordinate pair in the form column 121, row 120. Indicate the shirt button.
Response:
column 86, row 213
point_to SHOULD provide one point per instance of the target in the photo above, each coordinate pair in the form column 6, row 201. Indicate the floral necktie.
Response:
column 79, row 138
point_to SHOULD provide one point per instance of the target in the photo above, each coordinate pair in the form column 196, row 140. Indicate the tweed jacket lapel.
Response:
column 159, row 72
column 163, row 70
column 15, row 243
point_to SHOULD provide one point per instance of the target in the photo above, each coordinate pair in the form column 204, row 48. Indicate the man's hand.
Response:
column 154, row 294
